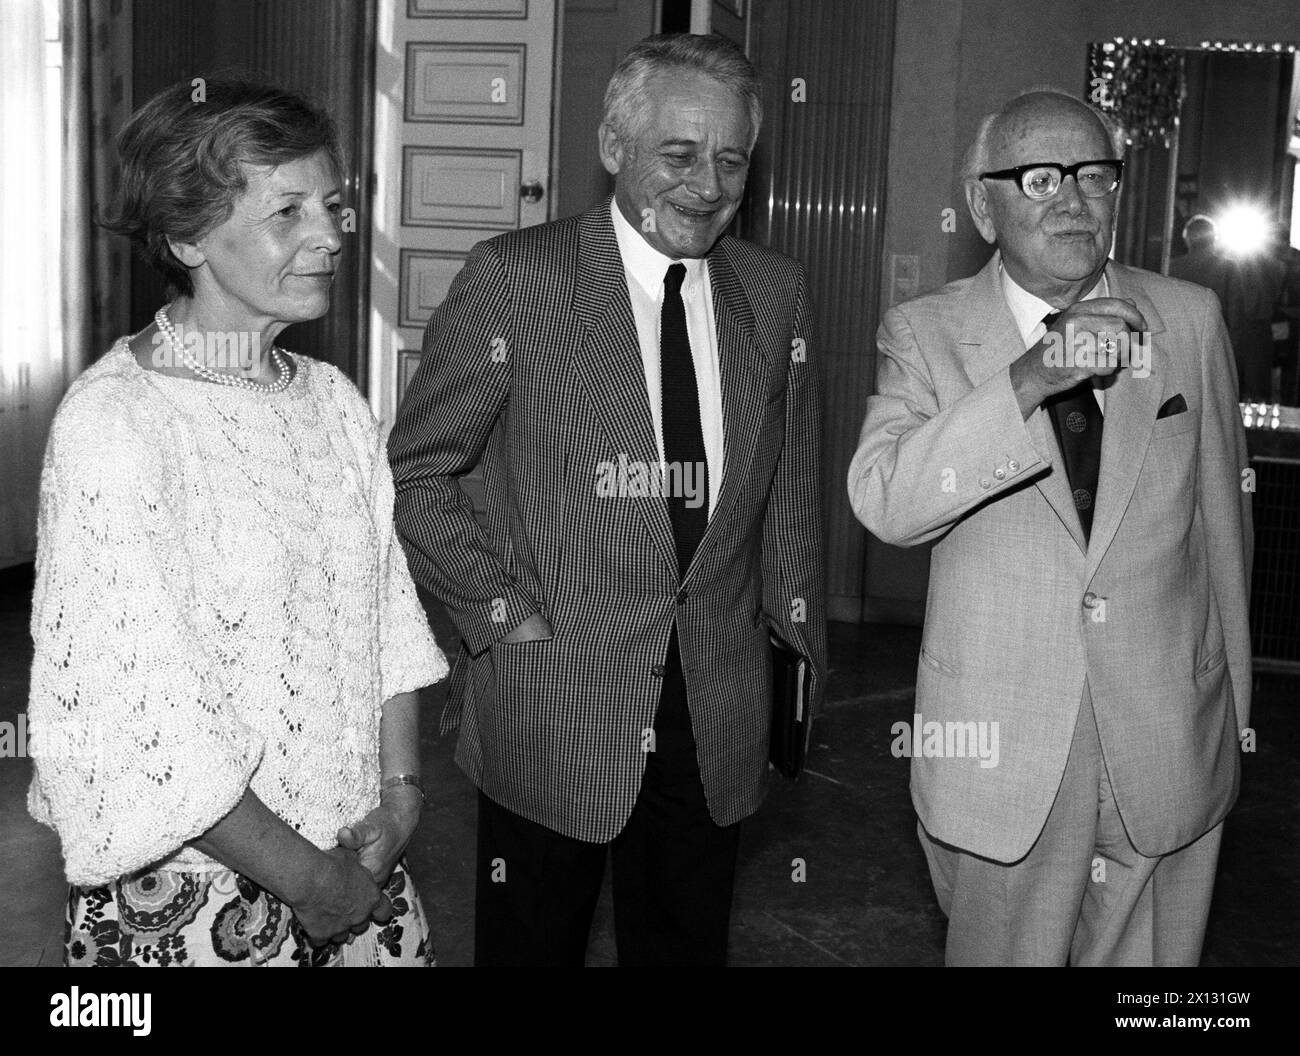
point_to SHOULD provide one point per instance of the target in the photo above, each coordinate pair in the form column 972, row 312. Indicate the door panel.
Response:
column 463, row 152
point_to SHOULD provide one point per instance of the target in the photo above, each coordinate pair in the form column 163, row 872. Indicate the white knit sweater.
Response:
column 220, row 603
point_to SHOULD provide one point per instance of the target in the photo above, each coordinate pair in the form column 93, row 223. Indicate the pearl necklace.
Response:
column 281, row 363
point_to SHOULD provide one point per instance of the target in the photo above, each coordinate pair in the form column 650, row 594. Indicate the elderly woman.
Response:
column 228, row 642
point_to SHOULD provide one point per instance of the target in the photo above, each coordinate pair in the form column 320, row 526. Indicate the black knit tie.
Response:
column 1077, row 421
column 683, row 437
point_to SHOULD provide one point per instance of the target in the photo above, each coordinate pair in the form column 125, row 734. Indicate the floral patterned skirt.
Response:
column 160, row 918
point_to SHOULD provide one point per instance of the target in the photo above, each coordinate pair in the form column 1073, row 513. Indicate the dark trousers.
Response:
column 673, row 867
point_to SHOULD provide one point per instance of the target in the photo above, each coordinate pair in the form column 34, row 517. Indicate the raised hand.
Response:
column 1034, row 378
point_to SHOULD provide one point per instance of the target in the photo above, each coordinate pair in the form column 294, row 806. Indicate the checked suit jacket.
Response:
column 1150, row 615
column 532, row 364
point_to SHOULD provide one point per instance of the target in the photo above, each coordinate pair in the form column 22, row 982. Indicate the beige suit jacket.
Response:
column 1013, row 627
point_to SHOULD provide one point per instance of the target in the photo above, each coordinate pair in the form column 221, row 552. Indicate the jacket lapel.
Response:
column 744, row 386
column 991, row 342
column 608, row 361
column 1131, row 404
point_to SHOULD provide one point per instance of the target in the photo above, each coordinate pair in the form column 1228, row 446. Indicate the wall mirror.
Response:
column 1214, row 131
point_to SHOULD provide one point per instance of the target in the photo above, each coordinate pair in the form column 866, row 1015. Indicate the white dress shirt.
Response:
column 644, row 268
column 1028, row 311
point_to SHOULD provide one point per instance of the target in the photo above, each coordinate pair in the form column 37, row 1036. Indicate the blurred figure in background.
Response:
column 1203, row 264
column 1286, row 320
column 1254, row 289
column 1249, row 287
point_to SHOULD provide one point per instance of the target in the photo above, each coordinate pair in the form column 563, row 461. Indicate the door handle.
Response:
column 532, row 192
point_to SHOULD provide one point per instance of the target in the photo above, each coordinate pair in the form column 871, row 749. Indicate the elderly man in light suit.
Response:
column 616, row 679
column 1089, row 577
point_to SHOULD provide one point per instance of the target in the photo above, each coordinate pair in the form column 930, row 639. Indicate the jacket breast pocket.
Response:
column 1175, row 424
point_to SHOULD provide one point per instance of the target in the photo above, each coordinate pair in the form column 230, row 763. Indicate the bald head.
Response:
column 1030, row 110
column 1200, row 232
column 1054, row 246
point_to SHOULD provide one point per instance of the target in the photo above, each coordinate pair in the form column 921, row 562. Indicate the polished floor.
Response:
column 866, row 899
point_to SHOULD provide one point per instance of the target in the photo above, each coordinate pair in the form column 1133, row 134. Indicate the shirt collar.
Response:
column 1028, row 310
column 645, row 264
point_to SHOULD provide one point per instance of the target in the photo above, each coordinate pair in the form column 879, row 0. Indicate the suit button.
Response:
column 657, row 671
column 985, row 483
column 1089, row 600
column 1014, row 466
column 1000, row 473
column 682, row 595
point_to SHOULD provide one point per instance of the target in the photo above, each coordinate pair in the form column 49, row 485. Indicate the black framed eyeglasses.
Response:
column 1042, row 179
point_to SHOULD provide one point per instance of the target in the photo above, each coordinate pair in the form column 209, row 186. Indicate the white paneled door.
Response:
column 462, row 152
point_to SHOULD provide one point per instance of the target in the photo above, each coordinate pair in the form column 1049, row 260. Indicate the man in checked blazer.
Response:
column 1088, row 618
column 642, row 394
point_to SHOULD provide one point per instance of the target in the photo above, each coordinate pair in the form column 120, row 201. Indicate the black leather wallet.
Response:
column 791, row 698
column 1174, row 405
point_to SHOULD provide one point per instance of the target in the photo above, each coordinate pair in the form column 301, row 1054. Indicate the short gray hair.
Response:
column 626, row 97
column 977, row 155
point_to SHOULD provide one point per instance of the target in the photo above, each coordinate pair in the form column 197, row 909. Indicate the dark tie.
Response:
column 1077, row 421
column 683, row 437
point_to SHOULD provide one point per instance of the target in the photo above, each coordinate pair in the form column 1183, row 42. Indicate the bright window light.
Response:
column 1243, row 230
